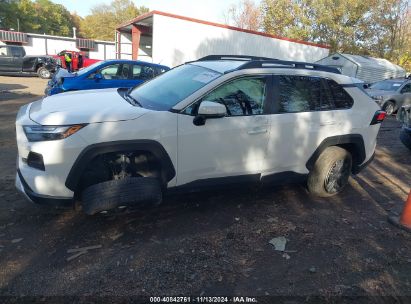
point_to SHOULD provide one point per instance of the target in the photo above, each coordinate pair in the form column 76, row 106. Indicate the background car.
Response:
column 391, row 94
column 404, row 116
column 104, row 74
column 79, row 60
column 14, row 61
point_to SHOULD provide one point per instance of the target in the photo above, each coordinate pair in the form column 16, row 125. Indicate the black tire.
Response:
column 43, row 73
column 405, row 137
column 333, row 165
column 123, row 192
column 389, row 107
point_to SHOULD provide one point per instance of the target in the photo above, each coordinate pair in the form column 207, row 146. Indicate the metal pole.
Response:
column 18, row 25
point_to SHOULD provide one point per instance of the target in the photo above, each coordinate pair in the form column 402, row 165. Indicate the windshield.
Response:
column 165, row 91
column 87, row 69
column 386, row 85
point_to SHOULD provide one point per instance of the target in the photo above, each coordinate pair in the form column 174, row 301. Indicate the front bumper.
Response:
column 25, row 189
column 52, row 90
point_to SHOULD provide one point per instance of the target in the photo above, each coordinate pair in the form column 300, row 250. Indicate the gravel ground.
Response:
column 211, row 243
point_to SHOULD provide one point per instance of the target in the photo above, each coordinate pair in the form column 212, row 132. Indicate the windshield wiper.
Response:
column 132, row 99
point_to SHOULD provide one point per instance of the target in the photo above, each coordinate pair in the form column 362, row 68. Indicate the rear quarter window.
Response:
column 340, row 97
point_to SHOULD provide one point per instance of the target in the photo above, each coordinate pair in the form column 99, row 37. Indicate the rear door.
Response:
column 302, row 118
column 18, row 54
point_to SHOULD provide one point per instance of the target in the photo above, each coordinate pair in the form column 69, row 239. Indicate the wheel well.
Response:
column 357, row 158
column 95, row 152
column 118, row 165
column 353, row 143
column 38, row 66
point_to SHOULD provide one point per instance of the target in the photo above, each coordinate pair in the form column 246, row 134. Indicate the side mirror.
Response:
column 207, row 110
column 211, row 109
column 98, row 77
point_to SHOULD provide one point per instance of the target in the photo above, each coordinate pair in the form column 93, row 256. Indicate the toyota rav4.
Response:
column 221, row 119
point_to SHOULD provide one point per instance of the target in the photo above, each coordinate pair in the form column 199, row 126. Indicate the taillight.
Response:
column 379, row 116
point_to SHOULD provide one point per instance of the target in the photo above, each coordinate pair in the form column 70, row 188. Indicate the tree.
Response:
column 8, row 16
column 102, row 21
column 246, row 15
column 40, row 16
column 378, row 27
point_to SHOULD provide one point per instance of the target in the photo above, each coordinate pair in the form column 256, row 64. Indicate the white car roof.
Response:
column 220, row 66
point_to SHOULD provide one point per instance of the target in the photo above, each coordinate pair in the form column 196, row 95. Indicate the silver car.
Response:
column 391, row 94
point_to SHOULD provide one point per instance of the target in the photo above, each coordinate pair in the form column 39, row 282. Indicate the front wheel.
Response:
column 330, row 173
column 43, row 73
column 121, row 192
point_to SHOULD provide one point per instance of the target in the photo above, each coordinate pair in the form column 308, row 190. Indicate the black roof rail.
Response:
column 233, row 57
column 287, row 64
column 254, row 62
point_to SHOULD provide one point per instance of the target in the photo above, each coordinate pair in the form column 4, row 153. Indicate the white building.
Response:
column 36, row 44
column 172, row 40
column 368, row 69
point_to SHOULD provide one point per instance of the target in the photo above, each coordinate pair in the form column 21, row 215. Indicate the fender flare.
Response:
column 92, row 151
column 356, row 140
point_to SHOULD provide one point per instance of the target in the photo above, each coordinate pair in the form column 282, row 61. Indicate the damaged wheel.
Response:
column 121, row 192
column 330, row 173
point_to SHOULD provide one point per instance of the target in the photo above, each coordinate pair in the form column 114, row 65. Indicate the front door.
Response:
column 6, row 60
column 112, row 76
column 232, row 146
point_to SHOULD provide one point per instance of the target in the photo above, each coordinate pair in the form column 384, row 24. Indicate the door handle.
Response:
column 257, row 131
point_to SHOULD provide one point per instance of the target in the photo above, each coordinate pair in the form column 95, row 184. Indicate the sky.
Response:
column 209, row 10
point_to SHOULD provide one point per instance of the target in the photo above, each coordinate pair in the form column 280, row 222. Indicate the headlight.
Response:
column 43, row 133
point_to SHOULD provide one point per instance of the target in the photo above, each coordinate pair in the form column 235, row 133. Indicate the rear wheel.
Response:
column 43, row 73
column 389, row 107
column 330, row 173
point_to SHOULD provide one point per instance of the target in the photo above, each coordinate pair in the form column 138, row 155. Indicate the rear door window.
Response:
column 143, row 72
column 16, row 51
column 406, row 88
column 302, row 94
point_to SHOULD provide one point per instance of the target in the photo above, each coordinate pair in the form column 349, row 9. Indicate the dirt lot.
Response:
column 212, row 243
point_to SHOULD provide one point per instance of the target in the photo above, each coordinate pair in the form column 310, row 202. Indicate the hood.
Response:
column 63, row 73
column 373, row 92
column 88, row 106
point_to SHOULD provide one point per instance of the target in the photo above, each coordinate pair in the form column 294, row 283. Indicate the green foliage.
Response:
column 104, row 19
column 44, row 16
column 375, row 27
column 40, row 16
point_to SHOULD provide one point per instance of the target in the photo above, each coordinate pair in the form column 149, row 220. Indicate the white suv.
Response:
column 221, row 119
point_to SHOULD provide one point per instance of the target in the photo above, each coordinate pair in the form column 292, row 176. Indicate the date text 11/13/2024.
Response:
column 203, row 299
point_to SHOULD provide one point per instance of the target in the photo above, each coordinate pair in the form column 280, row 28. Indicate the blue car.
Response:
column 104, row 74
